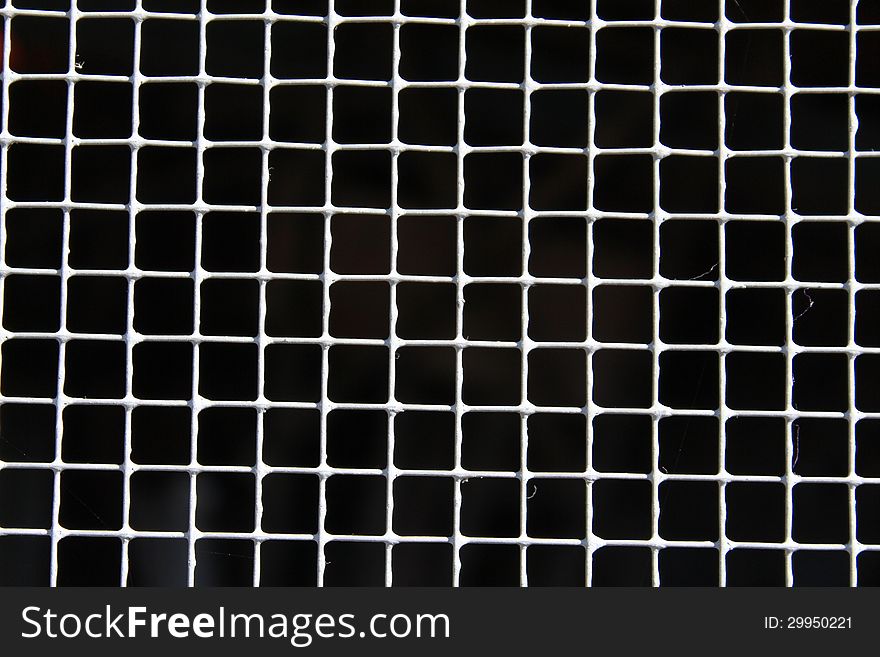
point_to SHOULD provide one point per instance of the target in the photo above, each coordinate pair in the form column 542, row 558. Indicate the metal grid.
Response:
column 587, row 348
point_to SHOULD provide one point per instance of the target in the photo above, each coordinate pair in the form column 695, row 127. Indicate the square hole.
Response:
column 755, row 185
column 756, row 317
column 298, row 114
column 291, row 436
column 623, row 313
column 687, row 120
column 561, row 9
column 30, row 303
column 428, row 116
column 48, row 36
column 428, row 52
column 557, row 377
column 820, row 382
column 33, row 238
column 624, row 183
column 492, row 246
column 755, row 445
column 358, row 374
column 755, row 381
column 157, row 59
column 753, row 11
column 162, row 370
column 688, row 56
column 557, row 508
column 622, row 248
column 359, row 310
column 622, row 509
column 820, row 185
column 492, row 312
column 867, row 448
column 867, row 367
column 227, row 436
column 30, row 368
column 820, row 252
column 755, row 512
column 557, row 442
column 243, row 61
column 224, row 562
column 424, row 440
column 625, row 55
column 688, row 445
column 820, row 513
column 163, row 306
column 38, row 108
column 225, row 502
column 282, row 360
column 217, row 361
column 361, row 179
column 425, row 375
column 869, row 568
column 423, row 506
column 821, row 447
column 557, row 313
column 231, row 242
column 490, row 507
column 868, row 114
column 622, row 443
column 493, row 181
column 756, row 568
column 168, row 111
column 159, row 501
column 357, row 438
column 491, row 376
column 630, row 10
column 427, row 180
column 689, row 379
column 558, row 182
column 354, row 564
column 688, row 10
column 495, row 53
column 495, row 117
column 361, row 115
column 233, row 176
column 290, row 504
column 822, row 317
column 689, row 510
column 621, row 566
column 360, row 8
column 491, row 441
column 426, row 311
column 558, row 247
column 490, row 565
column 296, row 178
column 98, row 240
column 93, row 434
column 819, row 58
column 867, row 508
column 229, row 307
column 24, row 161
column 355, row 505
column 867, row 199
column 689, row 315
column 295, row 243
column 288, row 563
column 102, row 110
column 689, row 184
column 560, row 54
column 422, row 564
column 157, row 562
column 496, row 8
column 753, row 121
column 867, row 318
column 755, row 250
column 622, row 379
column 28, row 433
column 821, row 568
column 105, row 46
column 754, row 58
column 32, row 490
column 559, row 117
column 426, row 245
column 363, row 51
column 161, row 435
column 236, row 6
column 166, row 175
column 233, row 112
column 299, row 50
column 294, row 308
column 89, row 561
column 95, row 369
column 553, row 565
column 91, row 500
column 820, row 122
column 96, row 304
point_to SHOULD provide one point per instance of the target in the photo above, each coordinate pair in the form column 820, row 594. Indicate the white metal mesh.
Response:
column 528, row 481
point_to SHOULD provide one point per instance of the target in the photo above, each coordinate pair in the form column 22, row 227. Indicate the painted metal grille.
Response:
column 450, row 292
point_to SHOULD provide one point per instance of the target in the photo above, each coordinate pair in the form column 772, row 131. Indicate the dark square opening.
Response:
column 427, row 245
column 93, row 434
column 361, row 115
column 428, row 116
column 490, row 565
column 33, row 238
column 355, row 505
column 157, row 562
column 166, row 175
column 290, row 504
column 162, row 370
column 754, row 11
column 867, row 448
column 424, row 440
column 819, row 185
column 100, row 109
column 756, row 316
column 91, row 500
column 492, row 312
column 30, row 368
column 243, row 61
column 161, row 434
column 354, row 564
column 31, row 491
column 236, row 6
column 217, row 360
column 869, row 568
column 361, row 178
column 624, row 119
column 363, row 51
column 294, row 308
column 867, row 371
column 295, row 243
column 428, row 52
column 689, row 379
column 96, row 304
column 491, row 441
column 225, row 502
column 491, row 376
column 688, row 10
column 561, row 9
column 560, row 54
column 422, row 564
column 867, row 197
column 867, row 318
column 48, row 36
column 426, row 311
column 755, row 445
column 622, row 443
column 629, row 10
column 688, row 445
column 157, row 59
column 233, row 112
column 495, row 53
column 292, row 436
column 89, row 561
column 299, row 50
column 756, row 568
column 622, row 248
column 755, row 381
column 361, row 8
column 495, row 117
column 623, row 313
column 227, row 436
column 622, row 379
column 298, row 114
column 359, row 309
column 621, row 566
column 687, row 120
column 868, row 114
column 625, row 55
column 557, row 508
column 163, row 306
column 689, row 184
column 289, row 563
column 490, row 507
column 229, row 307
column 557, row 442
column 168, row 111
column 688, row 56
column 24, row 183
column 558, row 247
column 624, row 183
column 559, row 118
column 28, row 433
column 558, row 182
column 297, row 178
column 755, row 250
column 496, row 8
column 820, row 513
column 293, row 372
column 425, row 375
column 357, row 438
column 101, row 174
column 31, row 303
column 233, row 176
column 493, row 246
column 231, row 242
column 820, row 122
column 820, row 382
column 159, row 501
column 224, row 562
column 867, row 510
column 493, row 181
column 104, row 46
column 821, row 568
column 754, row 185
column 820, row 58
column 95, row 369
column 427, row 180
column 689, row 315
column 755, row 512
column 821, row 447
column 557, row 377
column 754, row 58
column 753, row 121
column 358, row 374
column 557, row 313
column 622, row 509
column 820, row 252
column 689, row 510
column 821, row 317
column 423, row 506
